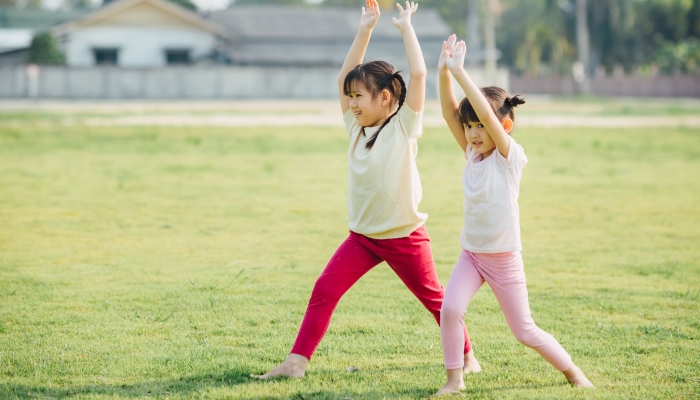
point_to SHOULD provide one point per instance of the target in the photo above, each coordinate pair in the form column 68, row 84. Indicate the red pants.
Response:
column 410, row 258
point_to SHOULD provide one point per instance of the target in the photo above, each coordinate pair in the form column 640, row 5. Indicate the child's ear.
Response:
column 386, row 97
column 507, row 124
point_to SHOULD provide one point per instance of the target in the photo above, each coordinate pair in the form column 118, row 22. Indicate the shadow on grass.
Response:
column 194, row 385
column 155, row 388
column 415, row 393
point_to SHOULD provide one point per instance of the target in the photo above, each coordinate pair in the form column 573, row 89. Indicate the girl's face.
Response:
column 479, row 139
column 369, row 110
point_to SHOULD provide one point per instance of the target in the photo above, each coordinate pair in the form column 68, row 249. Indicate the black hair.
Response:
column 501, row 104
column 377, row 76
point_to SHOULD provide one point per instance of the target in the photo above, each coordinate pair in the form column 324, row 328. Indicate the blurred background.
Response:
column 241, row 49
column 173, row 178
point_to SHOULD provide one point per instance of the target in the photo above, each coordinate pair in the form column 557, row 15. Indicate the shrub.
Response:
column 44, row 50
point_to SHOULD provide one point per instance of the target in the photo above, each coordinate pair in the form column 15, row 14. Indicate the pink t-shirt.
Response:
column 491, row 213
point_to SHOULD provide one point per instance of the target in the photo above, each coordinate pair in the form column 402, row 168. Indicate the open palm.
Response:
column 446, row 53
column 404, row 15
column 456, row 61
column 370, row 16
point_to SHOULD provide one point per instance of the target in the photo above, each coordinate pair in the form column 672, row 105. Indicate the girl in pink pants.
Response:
column 490, row 236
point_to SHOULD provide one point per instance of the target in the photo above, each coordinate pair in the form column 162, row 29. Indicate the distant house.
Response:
column 139, row 33
column 156, row 33
column 321, row 36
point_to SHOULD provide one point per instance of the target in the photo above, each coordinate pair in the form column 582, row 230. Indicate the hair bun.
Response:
column 515, row 100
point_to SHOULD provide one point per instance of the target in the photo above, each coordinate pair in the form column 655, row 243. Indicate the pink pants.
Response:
column 411, row 259
column 505, row 274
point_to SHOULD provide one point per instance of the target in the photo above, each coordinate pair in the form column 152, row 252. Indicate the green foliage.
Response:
column 172, row 262
column 188, row 4
column 679, row 57
column 537, row 37
column 44, row 50
column 279, row 2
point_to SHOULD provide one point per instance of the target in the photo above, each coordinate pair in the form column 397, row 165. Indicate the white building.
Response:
column 138, row 33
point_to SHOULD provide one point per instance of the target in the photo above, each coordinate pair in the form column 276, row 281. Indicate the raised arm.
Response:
column 356, row 55
column 448, row 101
column 483, row 110
column 415, row 93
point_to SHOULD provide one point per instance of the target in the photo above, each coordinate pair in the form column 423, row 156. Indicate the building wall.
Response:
column 138, row 46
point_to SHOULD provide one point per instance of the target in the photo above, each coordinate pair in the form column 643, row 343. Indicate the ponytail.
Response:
column 501, row 104
column 402, row 98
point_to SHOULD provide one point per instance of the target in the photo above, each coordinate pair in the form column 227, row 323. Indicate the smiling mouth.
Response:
column 476, row 143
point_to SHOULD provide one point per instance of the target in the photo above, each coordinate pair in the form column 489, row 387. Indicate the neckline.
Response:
column 480, row 162
column 371, row 130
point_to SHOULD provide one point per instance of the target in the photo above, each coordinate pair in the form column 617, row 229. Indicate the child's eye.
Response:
column 481, row 125
column 468, row 126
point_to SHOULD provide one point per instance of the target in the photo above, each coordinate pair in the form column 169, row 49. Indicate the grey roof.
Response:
column 267, row 22
column 11, row 17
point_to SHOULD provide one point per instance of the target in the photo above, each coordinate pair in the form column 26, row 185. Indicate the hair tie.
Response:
column 515, row 101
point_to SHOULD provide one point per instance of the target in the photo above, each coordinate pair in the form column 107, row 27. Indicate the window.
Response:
column 106, row 56
column 177, row 56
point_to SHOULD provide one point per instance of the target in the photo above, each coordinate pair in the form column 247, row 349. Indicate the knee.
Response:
column 449, row 313
column 530, row 336
column 324, row 292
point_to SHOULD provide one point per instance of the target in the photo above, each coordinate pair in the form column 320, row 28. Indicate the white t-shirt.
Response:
column 384, row 185
column 491, row 213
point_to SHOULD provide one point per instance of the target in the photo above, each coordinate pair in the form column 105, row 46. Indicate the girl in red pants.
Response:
column 383, row 121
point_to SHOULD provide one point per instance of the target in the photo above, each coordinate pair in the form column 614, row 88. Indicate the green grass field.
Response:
column 157, row 262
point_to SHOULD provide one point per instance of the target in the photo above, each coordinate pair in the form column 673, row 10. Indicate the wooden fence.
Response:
column 627, row 86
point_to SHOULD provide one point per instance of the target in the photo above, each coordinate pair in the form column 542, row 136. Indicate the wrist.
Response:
column 456, row 69
column 406, row 27
column 365, row 29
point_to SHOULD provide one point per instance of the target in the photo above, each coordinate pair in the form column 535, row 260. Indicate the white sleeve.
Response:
column 410, row 122
column 350, row 123
column 516, row 155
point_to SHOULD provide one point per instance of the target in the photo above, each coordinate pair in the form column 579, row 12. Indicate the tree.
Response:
column 44, row 50
column 188, row 4
column 278, row 2
column 537, row 37
column 694, row 20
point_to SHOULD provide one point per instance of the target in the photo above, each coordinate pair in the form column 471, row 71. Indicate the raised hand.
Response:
column 370, row 16
column 456, row 62
column 404, row 18
column 447, row 49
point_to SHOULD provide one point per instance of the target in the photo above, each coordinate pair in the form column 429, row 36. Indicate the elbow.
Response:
column 451, row 115
column 421, row 73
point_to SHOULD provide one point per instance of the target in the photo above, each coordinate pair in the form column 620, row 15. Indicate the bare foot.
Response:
column 471, row 365
column 577, row 378
column 448, row 389
column 455, row 382
column 293, row 367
